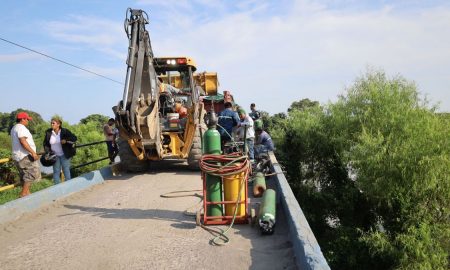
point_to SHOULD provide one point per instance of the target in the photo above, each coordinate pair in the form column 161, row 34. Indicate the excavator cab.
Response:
column 178, row 92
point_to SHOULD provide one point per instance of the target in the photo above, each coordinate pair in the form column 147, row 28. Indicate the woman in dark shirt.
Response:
column 61, row 142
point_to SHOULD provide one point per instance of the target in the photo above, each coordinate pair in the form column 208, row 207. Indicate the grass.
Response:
column 13, row 194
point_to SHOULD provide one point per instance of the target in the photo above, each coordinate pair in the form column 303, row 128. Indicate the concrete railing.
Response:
column 306, row 249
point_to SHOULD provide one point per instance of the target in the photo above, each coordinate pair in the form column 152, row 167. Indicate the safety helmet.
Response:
column 258, row 124
column 48, row 159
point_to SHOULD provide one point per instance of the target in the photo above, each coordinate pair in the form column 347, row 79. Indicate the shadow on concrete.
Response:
column 269, row 251
column 182, row 221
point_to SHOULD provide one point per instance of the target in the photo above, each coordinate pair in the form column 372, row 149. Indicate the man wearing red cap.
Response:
column 24, row 153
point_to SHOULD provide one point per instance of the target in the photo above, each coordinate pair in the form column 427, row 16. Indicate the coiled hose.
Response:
column 224, row 165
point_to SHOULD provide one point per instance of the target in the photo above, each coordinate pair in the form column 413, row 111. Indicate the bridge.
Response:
column 108, row 219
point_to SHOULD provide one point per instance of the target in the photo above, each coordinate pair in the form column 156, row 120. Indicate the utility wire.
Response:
column 56, row 59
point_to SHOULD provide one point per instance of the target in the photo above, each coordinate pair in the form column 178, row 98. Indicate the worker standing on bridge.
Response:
column 24, row 153
column 247, row 132
column 254, row 114
column 110, row 137
column 228, row 119
column 60, row 141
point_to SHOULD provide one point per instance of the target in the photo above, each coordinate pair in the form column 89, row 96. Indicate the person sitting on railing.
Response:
column 62, row 142
column 24, row 153
column 264, row 142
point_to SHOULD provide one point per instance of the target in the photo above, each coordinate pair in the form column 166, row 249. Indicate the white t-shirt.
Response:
column 55, row 143
column 247, row 122
column 20, row 131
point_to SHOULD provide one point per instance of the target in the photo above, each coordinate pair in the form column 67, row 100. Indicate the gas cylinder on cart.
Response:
column 211, row 145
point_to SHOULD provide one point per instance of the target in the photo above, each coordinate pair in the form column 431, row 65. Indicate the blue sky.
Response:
column 268, row 52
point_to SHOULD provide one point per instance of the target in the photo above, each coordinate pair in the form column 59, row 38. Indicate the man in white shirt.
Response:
column 246, row 125
column 24, row 153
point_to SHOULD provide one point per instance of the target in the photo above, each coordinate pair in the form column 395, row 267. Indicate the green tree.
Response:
column 37, row 119
column 303, row 104
column 88, row 133
column 5, row 141
column 371, row 173
column 4, row 122
column 399, row 150
column 99, row 119
column 8, row 172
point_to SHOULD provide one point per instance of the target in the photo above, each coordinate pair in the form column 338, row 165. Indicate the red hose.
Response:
column 222, row 165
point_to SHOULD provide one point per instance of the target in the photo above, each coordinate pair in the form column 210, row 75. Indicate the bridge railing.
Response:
column 7, row 160
column 306, row 248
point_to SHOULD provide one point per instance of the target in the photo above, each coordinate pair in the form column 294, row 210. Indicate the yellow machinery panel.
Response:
column 208, row 81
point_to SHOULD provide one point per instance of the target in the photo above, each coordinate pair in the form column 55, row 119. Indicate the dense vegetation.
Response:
column 371, row 173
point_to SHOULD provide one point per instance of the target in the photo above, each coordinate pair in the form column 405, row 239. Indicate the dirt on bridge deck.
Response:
column 125, row 224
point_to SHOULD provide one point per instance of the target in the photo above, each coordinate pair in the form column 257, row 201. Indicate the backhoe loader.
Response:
column 160, row 114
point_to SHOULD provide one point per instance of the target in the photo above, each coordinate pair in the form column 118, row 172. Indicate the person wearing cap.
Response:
column 60, row 141
column 24, row 153
column 263, row 142
column 254, row 114
column 247, row 132
column 228, row 119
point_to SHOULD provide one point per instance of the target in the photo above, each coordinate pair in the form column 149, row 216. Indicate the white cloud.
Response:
column 102, row 35
column 310, row 50
column 313, row 51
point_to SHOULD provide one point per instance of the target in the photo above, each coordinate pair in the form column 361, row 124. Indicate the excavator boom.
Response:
column 140, row 93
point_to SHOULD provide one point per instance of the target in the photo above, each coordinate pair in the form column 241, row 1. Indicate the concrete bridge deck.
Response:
column 125, row 224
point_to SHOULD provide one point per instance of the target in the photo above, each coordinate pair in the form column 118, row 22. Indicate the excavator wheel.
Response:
column 196, row 152
column 128, row 161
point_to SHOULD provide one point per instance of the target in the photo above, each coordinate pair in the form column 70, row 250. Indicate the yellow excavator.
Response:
column 160, row 115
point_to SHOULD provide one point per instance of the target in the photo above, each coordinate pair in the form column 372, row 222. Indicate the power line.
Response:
column 59, row 60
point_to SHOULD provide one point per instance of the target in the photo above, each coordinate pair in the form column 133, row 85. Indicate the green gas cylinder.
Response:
column 267, row 212
column 259, row 184
column 211, row 145
column 211, row 142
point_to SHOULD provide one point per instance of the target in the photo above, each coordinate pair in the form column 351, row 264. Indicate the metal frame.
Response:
column 224, row 220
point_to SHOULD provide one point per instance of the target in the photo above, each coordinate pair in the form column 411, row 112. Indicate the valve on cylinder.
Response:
column 211, row 118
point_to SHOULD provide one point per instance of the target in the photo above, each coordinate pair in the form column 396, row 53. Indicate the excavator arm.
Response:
column 137, row 113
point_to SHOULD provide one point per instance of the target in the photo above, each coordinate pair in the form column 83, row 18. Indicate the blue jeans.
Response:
column 250, row 148
column 259, row 149
column 63, row 162
column 112, row 150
